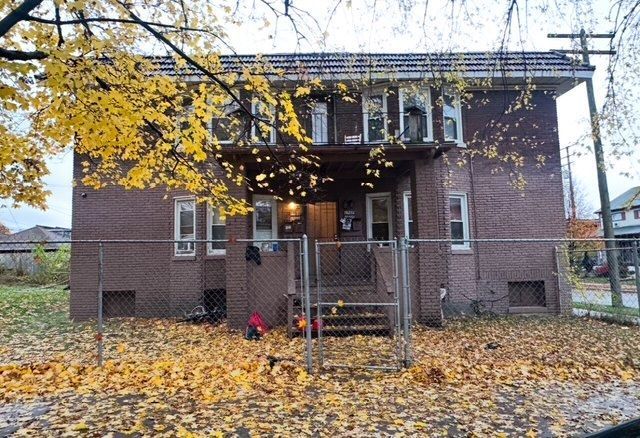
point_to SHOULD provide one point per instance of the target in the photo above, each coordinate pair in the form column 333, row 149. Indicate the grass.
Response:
column 28, row 308
column 606, row 308
column 605, row 280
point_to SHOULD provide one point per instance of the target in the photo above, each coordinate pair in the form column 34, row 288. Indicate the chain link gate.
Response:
column 358, row 320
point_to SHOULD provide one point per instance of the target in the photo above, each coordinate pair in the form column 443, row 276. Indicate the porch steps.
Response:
column 349, row 320
column 354, row 323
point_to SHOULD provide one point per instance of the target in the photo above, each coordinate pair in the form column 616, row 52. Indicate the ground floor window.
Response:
column 459, row 220
column 216, row 230
column 265, row 221
column 408, row 215
column 379, row 216
column 185, row 226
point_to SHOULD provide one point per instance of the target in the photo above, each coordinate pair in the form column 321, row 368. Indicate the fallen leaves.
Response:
column 547, row 376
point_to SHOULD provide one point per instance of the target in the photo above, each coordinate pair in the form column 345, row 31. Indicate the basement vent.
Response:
column 118, row 303
column 527, row 294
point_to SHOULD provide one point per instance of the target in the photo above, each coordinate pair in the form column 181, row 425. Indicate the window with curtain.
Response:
column 459, row 221
column 452, row 115
column 216, row 230
column 185, row 226
column 375, row 116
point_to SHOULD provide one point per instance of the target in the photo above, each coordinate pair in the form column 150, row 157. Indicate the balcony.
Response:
column 347, row 129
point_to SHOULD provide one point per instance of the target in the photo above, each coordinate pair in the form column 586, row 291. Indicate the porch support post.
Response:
column 237, row 227
column 430, row 221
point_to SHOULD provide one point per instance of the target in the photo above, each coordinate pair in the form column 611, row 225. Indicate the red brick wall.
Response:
column 496, row 209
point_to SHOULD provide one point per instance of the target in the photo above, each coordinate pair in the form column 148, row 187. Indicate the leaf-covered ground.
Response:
column 505, row 377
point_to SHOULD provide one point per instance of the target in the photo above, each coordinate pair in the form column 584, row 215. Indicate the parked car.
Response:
column 603, row 271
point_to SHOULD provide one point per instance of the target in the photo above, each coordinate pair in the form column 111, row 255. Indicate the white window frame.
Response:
column 210, row 249
column 232, row 102
column 176, row 227
column 406, row 208
column 464, row 207
column 426, row 90
column 620, row 214
column 254, row 127
column 274, row 218
column 365, row 113
column 458, row 108
column 369, row 199
column 323, row 130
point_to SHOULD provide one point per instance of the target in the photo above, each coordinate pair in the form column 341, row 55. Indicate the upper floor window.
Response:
column 618, row 216
column 264, row 131
column 637, row 214
column 319, row 126
column 374, row 111
column 233, row 123
column 216, row 231
column 459, row 221
column 185, row 226
column 415, row 115
column 452, row 115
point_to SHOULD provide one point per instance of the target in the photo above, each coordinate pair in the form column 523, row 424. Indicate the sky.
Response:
column 390, row 27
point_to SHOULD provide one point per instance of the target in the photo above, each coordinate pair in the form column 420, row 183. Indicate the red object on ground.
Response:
column 601, row 270
column 315, row 325
column 256, row 320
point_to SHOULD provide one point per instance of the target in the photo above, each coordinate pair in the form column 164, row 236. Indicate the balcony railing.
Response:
column 344, row 128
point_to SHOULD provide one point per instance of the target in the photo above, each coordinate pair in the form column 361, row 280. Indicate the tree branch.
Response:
column 19, row 55
column 17, row 15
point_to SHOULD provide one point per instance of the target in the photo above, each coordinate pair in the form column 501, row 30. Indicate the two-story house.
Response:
column 625, row 214
column 433, row 191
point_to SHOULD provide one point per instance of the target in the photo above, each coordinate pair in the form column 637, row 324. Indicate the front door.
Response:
column 322, row 225
column 379, row 216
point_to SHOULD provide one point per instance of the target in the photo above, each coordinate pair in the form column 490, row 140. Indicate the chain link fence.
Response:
column 594, row 292
column 357, row 298
column 346, row 304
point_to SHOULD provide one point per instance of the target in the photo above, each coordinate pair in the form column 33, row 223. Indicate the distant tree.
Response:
column 4, row 230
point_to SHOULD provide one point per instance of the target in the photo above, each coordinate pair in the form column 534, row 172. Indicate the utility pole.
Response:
column 603, row 187
column 572, row 196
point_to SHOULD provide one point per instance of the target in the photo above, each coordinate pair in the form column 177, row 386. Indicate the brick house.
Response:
column 426, row 195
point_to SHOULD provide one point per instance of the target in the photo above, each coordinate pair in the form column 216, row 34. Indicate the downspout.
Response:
column 335, row 118
column 476, row 253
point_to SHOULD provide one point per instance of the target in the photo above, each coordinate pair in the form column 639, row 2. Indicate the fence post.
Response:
column 396, row 299
column 636, row 266
column 307, row 301
column 100, row 293
column 406, row 305
column 319, row 305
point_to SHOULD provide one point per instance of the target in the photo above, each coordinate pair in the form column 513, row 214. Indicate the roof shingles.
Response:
column 407, row 63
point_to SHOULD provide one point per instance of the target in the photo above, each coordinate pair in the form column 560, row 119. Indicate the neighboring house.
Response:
column 625, row 214
column 19, row 257
column 421, row 196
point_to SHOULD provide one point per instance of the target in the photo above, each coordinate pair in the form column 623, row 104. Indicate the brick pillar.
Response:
column 430, row 219
column 237, row 227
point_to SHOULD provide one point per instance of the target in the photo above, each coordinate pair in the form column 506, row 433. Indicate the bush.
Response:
column 53, row 266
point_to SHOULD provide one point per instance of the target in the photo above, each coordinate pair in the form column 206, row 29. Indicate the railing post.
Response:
column 307, row 301
column 406, row 304
column 100, row 297
column 636, row 266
